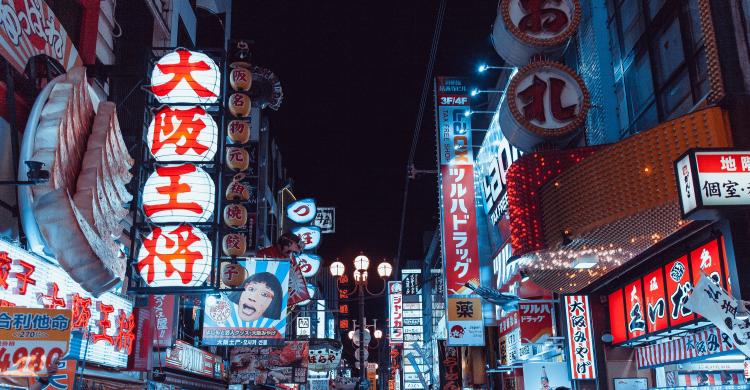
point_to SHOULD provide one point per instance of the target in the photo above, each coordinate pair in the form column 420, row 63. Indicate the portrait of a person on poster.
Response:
column 254, row 312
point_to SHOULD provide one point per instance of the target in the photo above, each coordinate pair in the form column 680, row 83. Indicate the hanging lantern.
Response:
column 175, row 256
column 310, row 236
column 233, row 275
column 237, row 159
column 240, row 78
column 238, row 131
column 235, row 215
column 309, row 264
column 302, row 211
column 237, row 190
column 178, row 194
column 234, row 244
column 239, row 105
column 185, row 76
column 182, row 134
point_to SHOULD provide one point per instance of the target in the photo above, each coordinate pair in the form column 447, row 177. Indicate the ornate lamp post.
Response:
column 361, row 263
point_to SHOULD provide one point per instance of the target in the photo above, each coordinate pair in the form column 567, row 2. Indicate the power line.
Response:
column 418, row 123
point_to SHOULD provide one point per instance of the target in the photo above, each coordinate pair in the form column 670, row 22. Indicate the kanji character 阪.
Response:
column 180, row 128
column 182, row 70
column 81, row 311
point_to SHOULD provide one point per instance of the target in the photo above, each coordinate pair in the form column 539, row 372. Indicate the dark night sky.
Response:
column 352, row 73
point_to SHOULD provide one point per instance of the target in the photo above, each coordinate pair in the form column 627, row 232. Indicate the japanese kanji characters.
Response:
column 182, row 134
column 178, row 193
column 542, row 16
column 175, row 255
column 185, row 76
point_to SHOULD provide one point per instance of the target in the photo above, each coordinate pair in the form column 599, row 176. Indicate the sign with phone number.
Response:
column 31, row 339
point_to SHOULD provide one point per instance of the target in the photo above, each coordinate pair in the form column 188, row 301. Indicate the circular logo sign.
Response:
column 182, row 134
column 185, row 76
column 175, row 256
column 178, row 194
column 541, row 22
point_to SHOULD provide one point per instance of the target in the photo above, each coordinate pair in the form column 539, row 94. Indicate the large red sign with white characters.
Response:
column 655, row 302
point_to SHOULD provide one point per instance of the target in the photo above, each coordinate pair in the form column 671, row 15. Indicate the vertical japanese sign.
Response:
column 325, row 219
column 163, row 311
column 450, row 367
column 395, row 313
column 457, row 211
column 415, row 367
column 181, row 139
column 580, row 337
column 30, row 339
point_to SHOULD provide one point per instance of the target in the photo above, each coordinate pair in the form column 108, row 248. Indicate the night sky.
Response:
column 352, row 74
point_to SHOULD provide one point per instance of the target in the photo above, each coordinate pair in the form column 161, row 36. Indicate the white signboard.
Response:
column 712, row 179
column 325, row 219
column 395, row 313
column 303, row 326
column 580, row 337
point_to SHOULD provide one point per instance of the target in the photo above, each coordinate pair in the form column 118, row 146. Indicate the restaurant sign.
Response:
column 710, row 180
column 704, row 343
column 103, row 327
column 580, row 337
column 655, row 302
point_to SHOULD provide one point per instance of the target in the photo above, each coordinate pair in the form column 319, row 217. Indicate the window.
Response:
column 659, row 60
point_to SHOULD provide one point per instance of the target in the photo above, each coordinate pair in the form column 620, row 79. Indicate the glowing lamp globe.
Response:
column 361, row 263
column 378, row 333
column 337, row 268
column 357, row 276
column 179, row 194
column 182, row 134
column 385, row 270
column 351, row 335
column 175, row 256
column 185, row 76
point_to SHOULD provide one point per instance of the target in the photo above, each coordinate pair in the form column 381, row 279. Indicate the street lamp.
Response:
column 484, row 67
column 361, row 263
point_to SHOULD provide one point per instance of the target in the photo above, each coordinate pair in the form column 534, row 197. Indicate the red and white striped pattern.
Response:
column 677, row 350
column 582, row 367
column 713, row 379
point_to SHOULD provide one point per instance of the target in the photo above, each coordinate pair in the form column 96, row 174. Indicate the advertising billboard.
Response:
column 286, row 363
column 254, row 312
column 458, row 210
column 31, row 339
column 395, row 313
column 32, row 282
column 580, row 337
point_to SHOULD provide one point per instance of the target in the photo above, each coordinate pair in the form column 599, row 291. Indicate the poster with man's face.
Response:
column 254, row 312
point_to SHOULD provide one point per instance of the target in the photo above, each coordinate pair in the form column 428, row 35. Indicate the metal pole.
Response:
column 362, row 345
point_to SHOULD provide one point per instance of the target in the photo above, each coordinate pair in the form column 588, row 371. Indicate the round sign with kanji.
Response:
column 185, row 76
column 175, row 256
column 308, row 263
column 178, row 193
column 182, row 134
column 546, row 102
column 527, row 28
column 310, row 236
column 302, row 211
